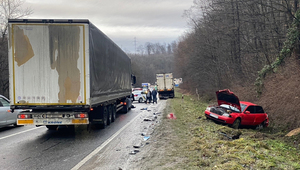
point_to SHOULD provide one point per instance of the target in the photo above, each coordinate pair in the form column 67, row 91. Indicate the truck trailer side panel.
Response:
column 110, row 68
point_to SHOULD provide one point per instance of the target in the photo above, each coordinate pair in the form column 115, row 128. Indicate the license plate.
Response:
column 25, row 122
column 214, row 116
column 80, row 121
column 54, row 116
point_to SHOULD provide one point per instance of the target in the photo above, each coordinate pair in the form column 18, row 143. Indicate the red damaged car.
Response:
column 235, row 113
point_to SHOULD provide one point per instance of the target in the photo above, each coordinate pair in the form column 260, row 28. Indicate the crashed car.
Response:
column 235, row 113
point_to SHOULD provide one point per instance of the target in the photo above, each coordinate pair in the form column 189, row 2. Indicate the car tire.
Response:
column 140, row 100
column 236, row 124
column 261, row 126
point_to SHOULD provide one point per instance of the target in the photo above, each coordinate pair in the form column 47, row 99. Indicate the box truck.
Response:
column 66, row 72
column 165, row 85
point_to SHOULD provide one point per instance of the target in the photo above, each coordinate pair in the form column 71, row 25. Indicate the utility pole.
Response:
column 134, row 45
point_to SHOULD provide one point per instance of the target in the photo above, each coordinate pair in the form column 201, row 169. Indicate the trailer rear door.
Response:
column 48, row 63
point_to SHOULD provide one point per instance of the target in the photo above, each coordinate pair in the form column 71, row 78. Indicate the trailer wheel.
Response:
column 113, row 117
column 52, row 127
column 109, row 117
column 104, row 117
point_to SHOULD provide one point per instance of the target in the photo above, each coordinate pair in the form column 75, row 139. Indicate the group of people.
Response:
column 151, row 95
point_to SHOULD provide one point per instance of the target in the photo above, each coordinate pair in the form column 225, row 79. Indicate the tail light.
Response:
column 124, row 103
column 135, row 95
column 81, row 115
column 24, row 116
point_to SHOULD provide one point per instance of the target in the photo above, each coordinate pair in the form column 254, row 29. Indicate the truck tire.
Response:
column 104, row 117
column 109, row 117
column 114, row 112
column 127, row 106
column 52, row 127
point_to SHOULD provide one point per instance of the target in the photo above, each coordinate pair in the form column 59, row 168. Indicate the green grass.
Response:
column 199, row 144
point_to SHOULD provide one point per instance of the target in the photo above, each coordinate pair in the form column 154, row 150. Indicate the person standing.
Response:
column 149, row 95
column 154, row 95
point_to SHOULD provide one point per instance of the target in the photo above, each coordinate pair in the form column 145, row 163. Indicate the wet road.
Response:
column 30, row 147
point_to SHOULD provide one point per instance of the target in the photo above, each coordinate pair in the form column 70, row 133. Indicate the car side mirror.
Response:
column 247, row 112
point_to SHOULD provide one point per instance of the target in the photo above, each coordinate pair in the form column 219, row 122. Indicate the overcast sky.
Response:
column 155, row 21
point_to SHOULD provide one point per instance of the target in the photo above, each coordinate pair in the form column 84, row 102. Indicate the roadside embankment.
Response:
column 192, row 142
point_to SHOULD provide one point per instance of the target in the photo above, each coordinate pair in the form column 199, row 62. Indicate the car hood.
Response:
column 227, row 97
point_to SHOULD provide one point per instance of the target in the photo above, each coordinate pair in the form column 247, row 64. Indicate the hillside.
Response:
column 280, row 97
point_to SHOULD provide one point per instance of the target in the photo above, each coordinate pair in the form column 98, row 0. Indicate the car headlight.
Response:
column 226, row 114
column 208, row 108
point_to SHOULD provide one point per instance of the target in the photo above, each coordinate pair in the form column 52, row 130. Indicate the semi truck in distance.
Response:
column 66, row 72
column 165, row 85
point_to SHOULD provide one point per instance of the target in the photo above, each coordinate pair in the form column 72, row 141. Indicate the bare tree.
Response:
column 231, row 40
column 9, row 9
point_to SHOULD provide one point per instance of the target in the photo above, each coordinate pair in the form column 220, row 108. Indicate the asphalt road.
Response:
column 30, row 147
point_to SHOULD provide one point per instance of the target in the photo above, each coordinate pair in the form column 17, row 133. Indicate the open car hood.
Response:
column 227, row 97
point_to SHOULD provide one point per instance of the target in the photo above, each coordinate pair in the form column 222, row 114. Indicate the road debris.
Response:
column 171, row 116
column 144, row 108
column 146, row 138
column 235, row 136
column 147, row 119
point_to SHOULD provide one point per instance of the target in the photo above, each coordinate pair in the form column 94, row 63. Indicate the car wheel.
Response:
column 140, row 100
column 236, row 123
column 261, row 126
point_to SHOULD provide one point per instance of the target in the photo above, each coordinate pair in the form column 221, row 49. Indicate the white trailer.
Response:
column 165, row 85
column 66, row 72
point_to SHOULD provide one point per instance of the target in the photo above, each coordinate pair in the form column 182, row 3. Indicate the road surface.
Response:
column 30, row 147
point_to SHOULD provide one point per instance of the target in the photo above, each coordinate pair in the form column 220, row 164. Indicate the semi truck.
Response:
column 66, row 72
column 165, row 85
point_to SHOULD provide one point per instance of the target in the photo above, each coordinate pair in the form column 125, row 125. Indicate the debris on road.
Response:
column 144, row 108
column 171, row 116
column 132, row 153
column 147, row 119
column 146, row 138
column 235, row 136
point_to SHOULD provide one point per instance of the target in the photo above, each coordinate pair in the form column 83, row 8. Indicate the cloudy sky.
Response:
column 155, row 21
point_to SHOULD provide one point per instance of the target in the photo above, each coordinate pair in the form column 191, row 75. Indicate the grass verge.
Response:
column 198, row 143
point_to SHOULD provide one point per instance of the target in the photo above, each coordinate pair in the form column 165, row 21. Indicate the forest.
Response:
column 248, row 46
column 231, row 41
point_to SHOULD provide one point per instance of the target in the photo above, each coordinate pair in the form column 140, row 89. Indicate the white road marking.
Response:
column 19, row 133
column 87, row 158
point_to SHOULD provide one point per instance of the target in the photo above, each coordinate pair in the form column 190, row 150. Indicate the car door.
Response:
column 260, row 115
column 249, row 116
column 8, row 117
